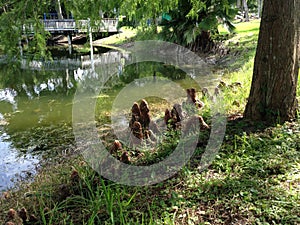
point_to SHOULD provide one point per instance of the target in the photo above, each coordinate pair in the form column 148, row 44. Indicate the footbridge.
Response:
column 67, row 26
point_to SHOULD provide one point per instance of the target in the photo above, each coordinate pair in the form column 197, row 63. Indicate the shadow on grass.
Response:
column 250, row 175
column 240, row 52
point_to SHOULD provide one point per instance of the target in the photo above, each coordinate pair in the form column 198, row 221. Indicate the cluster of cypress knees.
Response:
column 144, row 129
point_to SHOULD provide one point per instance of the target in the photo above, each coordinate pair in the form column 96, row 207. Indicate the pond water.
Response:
column 39, row 94
column 14, row 165
column 32, row 95
column 36, row 99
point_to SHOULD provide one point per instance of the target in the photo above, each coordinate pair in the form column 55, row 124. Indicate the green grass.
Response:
column 254, row 179
column 126, row 34
column 251, row 27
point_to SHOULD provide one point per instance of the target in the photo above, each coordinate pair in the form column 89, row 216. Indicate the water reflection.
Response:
column 34, row 98
column 29, row 99
column 13, row 163
column 8, row 95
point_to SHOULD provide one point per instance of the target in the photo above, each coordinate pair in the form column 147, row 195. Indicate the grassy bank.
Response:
column 254, row 179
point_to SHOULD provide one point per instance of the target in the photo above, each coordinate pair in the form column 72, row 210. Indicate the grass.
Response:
column 126, row 34
column 254, row 179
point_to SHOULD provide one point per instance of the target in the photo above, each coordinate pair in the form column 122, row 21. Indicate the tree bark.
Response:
column 275, row 75
column 259, row 6
column 238, row 4
column 246, row 10
column 59, row 11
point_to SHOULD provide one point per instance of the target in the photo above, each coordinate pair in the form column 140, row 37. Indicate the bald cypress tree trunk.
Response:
column 275, row 75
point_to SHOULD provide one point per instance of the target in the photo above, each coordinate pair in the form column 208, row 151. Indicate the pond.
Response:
column 36, row 100
column 14, row 165
column 29, row 99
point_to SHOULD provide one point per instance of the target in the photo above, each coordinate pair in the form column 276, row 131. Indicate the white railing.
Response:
column 58, row 25
column 75, row 26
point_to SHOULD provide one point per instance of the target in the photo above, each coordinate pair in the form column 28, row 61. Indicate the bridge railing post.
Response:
column 91, row 44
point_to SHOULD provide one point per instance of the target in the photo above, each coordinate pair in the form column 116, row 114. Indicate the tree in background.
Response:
column 259, row 7
column 17, row 16
column 194, row 22
column 139, row 13
column 190, row 23
column 276, row 67
column 247, row 6
column 59, row 9
column 243, row 6
column 83, row 9
column 246, row 10
column 12, row 19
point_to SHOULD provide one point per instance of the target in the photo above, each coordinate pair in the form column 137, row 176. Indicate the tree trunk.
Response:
column 259, row 5
column 238, row 4
column 203, row 43
column 246, row 10
column 59, row 11
column 275, row 75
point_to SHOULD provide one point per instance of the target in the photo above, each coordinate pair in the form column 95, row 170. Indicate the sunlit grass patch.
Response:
column 251, row 27
column 235, row 96
column 125, row 34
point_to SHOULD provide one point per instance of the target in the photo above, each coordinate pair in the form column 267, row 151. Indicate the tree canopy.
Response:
column 15, row 16
column 193, row 22
column 188, row 18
